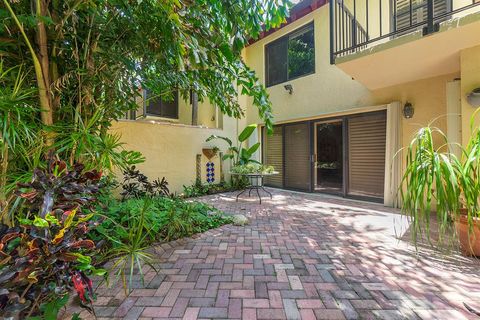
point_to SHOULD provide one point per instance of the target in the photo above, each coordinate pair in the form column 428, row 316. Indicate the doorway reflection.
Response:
column 328, row 171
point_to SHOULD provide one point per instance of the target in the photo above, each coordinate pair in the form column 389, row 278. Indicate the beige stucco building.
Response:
column 342, row 103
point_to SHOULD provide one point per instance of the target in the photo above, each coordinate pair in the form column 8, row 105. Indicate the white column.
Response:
column 254, row 138
column 393, row 158
column 454, row 117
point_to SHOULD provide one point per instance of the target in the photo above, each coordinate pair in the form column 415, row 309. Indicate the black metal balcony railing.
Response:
column 355, row 24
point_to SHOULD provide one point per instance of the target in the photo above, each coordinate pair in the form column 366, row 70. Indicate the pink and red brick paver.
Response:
column 303, row 256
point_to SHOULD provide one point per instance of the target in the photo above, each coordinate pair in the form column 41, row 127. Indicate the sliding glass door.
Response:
column 328, row 155
column 343, row 156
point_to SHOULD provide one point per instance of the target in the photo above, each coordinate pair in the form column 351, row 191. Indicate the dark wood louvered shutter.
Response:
column 163, row 108
column 297, row 157
column 273, row 155
column 366, row 154
column 418, row 11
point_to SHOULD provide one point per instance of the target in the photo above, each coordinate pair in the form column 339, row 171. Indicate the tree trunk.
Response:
column 44, row 81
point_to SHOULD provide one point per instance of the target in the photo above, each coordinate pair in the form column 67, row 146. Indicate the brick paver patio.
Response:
column 303, row 256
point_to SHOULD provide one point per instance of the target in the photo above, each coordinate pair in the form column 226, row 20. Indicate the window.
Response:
column 291, row 56
column 162, row 108
column 406, row 16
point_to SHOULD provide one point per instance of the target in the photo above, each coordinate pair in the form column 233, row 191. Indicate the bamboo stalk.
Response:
column 44, row 99
column 42, row 42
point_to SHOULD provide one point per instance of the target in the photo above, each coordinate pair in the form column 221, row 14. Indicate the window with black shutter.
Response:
column 414, row 12
column 291, row 56
column 162, row 107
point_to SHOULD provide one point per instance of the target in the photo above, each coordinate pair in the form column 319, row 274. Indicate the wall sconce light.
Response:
column 473, row 98
column 289, row 88
column 408, row 110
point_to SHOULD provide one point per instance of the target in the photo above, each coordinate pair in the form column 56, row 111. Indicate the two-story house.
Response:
column 350, row 82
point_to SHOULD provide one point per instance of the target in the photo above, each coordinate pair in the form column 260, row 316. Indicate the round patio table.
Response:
column 258, row 179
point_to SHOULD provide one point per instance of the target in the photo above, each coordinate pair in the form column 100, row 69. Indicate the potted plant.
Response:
column 434, row 175
column 239, row 153
column 253, row 168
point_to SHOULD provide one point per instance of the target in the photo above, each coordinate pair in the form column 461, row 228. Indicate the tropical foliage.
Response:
column 198, row 189
column 70, row 68
column 436, row 176
column 238, row 152
column 132, row 226
column 137, row 185
column 252, row 168
column 47, row 253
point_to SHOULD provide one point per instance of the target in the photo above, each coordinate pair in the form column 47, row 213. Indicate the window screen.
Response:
column 291, row 56
column 162, row 108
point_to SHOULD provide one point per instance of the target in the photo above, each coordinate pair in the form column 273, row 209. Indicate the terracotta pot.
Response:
column 209, row 153
column 469, row 241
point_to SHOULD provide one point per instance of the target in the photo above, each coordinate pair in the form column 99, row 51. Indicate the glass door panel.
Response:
column 329, row 162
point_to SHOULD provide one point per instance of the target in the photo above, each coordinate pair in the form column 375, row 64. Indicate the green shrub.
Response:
column 165, row 218
column 182, row 218
column 136, row 185
column 252, row 168
column 197, row 190
column 130, row 227
column 46, row 253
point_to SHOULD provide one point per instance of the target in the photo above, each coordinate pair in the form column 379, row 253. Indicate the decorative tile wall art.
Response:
column 210, row 172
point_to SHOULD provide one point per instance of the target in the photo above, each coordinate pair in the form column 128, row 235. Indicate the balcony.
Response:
column 383, row 43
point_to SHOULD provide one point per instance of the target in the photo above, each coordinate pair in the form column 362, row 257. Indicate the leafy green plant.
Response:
column 48, row 253
column 253, row 168
column 131, row 226
column 18, row 130
column 434, row 175
column 130, row 244
column 238, row 153
column 83, row 63
column 431, row 175
column 136, row 185
column 197, row 190
column 49, row 310
column 184, row 218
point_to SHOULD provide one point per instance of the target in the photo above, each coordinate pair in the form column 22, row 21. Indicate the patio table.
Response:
column 258, row 179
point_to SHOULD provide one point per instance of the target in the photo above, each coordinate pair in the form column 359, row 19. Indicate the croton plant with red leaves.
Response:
column 47, row 254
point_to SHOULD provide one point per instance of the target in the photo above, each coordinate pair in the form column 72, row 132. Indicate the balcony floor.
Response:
column 413, row 57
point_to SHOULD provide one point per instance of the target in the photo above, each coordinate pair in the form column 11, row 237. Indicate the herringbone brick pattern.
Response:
column 302, row 257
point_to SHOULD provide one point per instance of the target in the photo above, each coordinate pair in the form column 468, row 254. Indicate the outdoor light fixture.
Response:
column 473, row 98
column 408, row 110
column 289, row 88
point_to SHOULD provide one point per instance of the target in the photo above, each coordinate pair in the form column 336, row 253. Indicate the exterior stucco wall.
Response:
column 330, row 90
column 206, row 113
column 428, row 97
column 170, row 150
column 470, row 73
column 327, row 90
